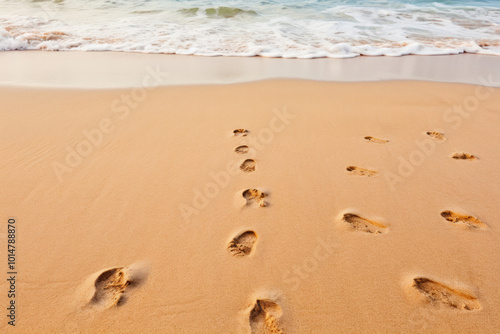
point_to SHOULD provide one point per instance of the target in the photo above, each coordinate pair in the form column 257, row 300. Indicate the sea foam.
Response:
column 287, row 28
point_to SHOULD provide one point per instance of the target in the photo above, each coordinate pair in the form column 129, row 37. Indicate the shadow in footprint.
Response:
column 462, row 219
column 240, row 132
column 242, row 149
column 436, row 135
column 376, row 140
column 464, row 156
column 111, row 286
column 254, row 197
column 436, row 292
column 242, row 244
column 363, row 225
column 264, row 317
column 361, row 171
column 248, row 166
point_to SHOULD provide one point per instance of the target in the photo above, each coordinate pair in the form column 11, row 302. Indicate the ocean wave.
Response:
column 289, row 29
column 221, row 12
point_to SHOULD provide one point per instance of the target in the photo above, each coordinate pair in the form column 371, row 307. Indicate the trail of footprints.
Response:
column 264, row 315
column 431, row 291
column 361, row 171
column 365, row 225
column 112, row 285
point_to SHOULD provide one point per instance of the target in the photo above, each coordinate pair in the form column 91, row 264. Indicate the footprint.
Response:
column 264, row 317
column 458, row 218
column 364, row 225
column 242, row 244
column 110, row 287
column 241, row 149
column 436, row 135
column 255, row 196
column 436, row 292
column 376, row 140
column 361, row 171
column 240, row 132
column 248, row 166
column 464, row 156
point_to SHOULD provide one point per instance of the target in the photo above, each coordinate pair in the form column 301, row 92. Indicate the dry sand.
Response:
column 346, row 217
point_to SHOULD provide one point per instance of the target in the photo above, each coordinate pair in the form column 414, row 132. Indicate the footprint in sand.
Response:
column 264, row 317
column 240, row 132
column 361, row 171
column 436, row 292
column 462, row 219
column 112, row 285
column 436, row 135
column 242, row 244
column 248, row 166
column 376, row 140
column 242, row 149
column 255, row 197
column 464, row 156
column 361, row 224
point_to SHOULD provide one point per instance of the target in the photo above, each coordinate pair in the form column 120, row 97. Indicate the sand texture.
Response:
column 280, row 206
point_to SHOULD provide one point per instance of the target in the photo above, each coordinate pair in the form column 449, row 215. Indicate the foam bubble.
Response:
column 289, row 29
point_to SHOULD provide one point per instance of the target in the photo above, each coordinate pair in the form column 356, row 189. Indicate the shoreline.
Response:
column 115, row 70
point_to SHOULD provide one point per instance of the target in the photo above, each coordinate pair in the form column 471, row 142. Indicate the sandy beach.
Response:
column 271, row 206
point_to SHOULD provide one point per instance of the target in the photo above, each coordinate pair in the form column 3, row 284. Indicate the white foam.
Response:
column 309, row 31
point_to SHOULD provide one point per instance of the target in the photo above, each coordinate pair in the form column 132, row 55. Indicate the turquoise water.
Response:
column 285, row 28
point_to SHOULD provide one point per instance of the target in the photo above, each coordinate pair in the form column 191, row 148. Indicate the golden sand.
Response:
column 340, row 201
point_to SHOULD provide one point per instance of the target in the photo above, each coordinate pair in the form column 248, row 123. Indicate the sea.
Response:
column 269, row 28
